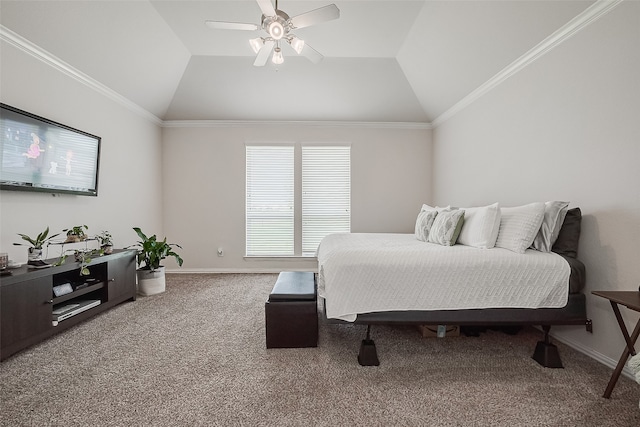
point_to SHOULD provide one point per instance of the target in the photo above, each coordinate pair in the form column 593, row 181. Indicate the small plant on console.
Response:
column 106, row 242
column 76, row 233
column 34, row 254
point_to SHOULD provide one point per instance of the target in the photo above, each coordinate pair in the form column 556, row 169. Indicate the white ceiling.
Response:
column 385, row 61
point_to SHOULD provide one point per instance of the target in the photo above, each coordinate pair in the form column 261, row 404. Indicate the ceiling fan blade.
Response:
column 311, row 54
column 263, row 54
column 219, row 25
column 316, row 16
column 266, row 7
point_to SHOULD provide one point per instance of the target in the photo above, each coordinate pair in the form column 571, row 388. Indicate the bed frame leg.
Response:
column 546, row 353
column 368, row 355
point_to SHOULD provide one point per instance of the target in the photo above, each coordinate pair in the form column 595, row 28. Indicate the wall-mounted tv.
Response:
column 37, row 154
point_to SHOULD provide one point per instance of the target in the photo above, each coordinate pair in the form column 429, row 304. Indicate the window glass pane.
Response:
column 326, row 194
column 270, row 201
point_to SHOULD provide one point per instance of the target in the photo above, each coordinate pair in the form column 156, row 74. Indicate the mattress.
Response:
column 377, row 272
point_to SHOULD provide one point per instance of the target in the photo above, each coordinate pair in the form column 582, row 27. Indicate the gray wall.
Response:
column 204, row 185
column 564, row 128
column 129, row 187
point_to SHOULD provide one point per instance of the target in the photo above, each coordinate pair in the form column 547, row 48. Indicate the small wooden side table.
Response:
column 631, row 300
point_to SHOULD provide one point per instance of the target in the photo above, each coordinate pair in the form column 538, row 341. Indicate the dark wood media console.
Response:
column 30, row 311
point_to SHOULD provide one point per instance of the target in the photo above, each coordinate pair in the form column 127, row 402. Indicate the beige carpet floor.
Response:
column 196, row 356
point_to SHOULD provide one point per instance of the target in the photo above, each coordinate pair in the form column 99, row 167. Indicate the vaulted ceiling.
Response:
column 384, row 61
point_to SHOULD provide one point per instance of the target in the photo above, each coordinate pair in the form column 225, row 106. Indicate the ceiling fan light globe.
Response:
column 297, row 44
column 256, row 44
column 277, row 56
column 276, row 30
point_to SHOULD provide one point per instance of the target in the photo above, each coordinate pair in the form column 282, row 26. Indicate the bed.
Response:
column 382, row 278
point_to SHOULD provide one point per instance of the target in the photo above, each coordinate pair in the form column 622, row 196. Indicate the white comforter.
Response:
column 365, row 272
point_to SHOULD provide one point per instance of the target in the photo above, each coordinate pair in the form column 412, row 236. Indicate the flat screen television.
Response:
column 37, row 154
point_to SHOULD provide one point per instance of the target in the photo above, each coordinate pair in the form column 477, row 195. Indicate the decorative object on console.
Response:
column 34, row 255
column 84, row 258
column 278, row 26
column 76, row 233
column 151, row 251
column 106, row 242
column 81, row 256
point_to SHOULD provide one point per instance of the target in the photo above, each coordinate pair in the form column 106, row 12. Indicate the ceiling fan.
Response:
column 278, row 26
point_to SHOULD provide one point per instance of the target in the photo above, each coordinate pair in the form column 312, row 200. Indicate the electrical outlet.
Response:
column 220, row 252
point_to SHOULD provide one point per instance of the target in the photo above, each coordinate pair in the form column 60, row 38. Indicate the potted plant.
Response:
column 76, row 233
column 34, row 255
column 106, row 242
column 151, row 251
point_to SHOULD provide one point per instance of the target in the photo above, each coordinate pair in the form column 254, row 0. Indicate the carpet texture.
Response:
column 195, row 355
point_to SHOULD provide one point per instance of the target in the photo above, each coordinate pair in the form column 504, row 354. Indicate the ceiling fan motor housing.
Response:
column 276, row 26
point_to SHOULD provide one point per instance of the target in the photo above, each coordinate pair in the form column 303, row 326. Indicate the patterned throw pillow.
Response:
column 446, row 227
column 424, row 223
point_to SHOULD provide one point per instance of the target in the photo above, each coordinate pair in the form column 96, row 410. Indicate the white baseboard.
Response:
column 605, row 360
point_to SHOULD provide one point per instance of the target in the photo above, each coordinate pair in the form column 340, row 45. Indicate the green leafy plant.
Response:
column 105, row 238
column 39, row 241
column 77, row 232
column 83, row 257
column 152, row 251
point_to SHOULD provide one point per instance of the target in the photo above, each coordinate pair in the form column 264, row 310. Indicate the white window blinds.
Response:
column 270, row 200
column 326, row 193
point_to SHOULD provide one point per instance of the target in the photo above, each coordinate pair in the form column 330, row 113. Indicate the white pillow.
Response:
column 554, row 213
column 519, row 226
column 437, row 208
column 480, row 228
column 424, row 222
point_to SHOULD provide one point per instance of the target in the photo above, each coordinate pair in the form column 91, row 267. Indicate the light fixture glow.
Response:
column 297, row 44
column 256, row 44
column 277, row 56
column 276, row 30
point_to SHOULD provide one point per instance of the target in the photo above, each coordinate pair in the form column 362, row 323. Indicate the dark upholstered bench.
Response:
column 291, row 314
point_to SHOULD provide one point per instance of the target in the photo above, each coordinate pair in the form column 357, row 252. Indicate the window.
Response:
column 326, row 194
column 270, row 200
column 278, row 221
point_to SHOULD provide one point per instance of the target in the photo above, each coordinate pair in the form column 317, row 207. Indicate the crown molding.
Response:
column 37, row 52
column 588, row 16
column 581, row 21
column 263, row 123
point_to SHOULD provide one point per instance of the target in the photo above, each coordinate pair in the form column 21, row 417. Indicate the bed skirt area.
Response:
column 574, row 313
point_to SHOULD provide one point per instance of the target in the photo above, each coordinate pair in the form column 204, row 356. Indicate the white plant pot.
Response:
column 151, row 282
column 34, row 254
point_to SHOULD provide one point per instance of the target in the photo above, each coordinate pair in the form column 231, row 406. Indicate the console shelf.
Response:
column 27, row 300
column 78, row 293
